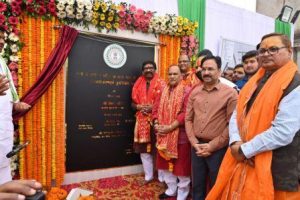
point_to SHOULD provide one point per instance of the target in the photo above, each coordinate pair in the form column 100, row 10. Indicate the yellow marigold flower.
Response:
column 102, row 24
column 185, row 27
column 179, row 29
column 113, row 6
column 102, row 17
column 108, row 25
column 196, row 24
column 116, row 25
column 185, row 20
column 95, row 15
column 95, row 21
column 179, row 18
column 183, row 33
column 119, row 7
column 180, row 22
column 111, row 13
column 103, row 4
column 96, row 6
column 104, row 7
column 110, row 19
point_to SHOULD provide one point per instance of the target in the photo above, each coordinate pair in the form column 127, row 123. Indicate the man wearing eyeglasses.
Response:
column 250, row 65
column 189, row 77
column 264, row 157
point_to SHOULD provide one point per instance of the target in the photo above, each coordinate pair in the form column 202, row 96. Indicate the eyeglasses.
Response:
column 183, row 61
column 271, row 50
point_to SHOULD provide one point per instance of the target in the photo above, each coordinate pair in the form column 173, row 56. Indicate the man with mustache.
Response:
column 8, row 102
column 147, row 87
column 173, row 147
column 208, row 112
column 264, row 157
column 202, row 54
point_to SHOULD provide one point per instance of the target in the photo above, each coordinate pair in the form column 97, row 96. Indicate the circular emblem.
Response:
column 115, row 56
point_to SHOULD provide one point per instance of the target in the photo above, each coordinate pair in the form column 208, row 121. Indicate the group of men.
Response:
column 181, row 114
column 199, row 129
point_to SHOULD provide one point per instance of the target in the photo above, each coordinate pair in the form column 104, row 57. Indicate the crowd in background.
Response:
column 243, row 123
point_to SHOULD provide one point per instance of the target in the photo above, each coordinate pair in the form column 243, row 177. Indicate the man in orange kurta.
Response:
column 263, row 160
column 145, row 90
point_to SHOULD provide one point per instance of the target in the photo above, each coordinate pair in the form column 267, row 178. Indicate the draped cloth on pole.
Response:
column 51, row 69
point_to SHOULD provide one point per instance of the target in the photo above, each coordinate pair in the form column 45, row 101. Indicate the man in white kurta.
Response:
column 8, row 102
column 6, row 129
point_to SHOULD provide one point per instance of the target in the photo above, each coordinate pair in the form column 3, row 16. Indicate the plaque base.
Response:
column 77, row 177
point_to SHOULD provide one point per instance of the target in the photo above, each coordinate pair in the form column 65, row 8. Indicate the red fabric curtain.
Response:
column 52, row 67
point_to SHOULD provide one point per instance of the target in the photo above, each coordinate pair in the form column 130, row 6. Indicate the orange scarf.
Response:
column 169, row 107
column 190, row 79
column 140, row 95
column 237, row 180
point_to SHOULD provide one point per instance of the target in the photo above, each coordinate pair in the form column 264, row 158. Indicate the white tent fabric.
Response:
column 226, row 21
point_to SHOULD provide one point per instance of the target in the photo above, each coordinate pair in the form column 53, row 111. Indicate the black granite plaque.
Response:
column 99, row 117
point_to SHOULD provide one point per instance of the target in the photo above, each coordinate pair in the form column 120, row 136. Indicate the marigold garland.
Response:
column 169, row 53
column 44, row 123
column 56, row 194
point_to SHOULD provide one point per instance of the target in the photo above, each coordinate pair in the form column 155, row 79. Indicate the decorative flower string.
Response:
column 189, row 46
column 104, row 15
column 43, row 125
column 135, row 19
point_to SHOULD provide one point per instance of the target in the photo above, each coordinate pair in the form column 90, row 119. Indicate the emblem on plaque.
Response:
column 115, row 56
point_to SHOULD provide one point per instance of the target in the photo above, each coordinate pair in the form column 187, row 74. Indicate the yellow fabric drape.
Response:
column 43, row 125
column 169, row 53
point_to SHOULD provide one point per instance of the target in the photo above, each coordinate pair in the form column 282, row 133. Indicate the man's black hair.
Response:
column 204, row 52
column 249, row 54
column 148, row 62
column 217, row 59
column 239, row 66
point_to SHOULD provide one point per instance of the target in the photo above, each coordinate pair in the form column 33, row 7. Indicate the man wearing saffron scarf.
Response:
column 208, row 112
column 173, row 148
column 145, row 90
column 189, row 77
column 8, row 102
column 263, row 161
